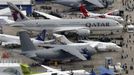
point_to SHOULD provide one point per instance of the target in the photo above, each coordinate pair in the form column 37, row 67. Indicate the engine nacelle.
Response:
column 10, row 45
column 83, row 32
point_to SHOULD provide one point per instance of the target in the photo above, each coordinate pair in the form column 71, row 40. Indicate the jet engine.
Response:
column 83, row 32
column 11, row 45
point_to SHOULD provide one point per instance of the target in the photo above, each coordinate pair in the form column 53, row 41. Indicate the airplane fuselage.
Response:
column 92, row 24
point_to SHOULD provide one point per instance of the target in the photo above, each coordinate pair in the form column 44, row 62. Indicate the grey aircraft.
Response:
column 63, row 52
column 78, row 26
column 76, row 3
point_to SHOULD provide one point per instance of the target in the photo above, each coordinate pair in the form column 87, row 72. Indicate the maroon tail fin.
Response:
column 83, row 10
column 16, row 13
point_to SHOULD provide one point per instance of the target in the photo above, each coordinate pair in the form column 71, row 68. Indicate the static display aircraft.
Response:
column 62, row 52
column 86, row 13
column 76, row 3
column 53, row 71
column 99, row 46
column 78, row 26
column 11, row 41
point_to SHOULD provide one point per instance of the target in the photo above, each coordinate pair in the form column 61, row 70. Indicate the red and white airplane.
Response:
column 96, row 15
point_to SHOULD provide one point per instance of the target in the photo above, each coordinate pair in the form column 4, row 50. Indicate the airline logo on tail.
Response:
column 16, row 13
column 83, row 10
column 17, row 16
column 41, row 36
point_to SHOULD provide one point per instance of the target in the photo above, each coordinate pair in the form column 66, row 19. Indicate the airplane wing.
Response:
column 55, row 70
column 69, row 49
column 96, row 2
column 49, row 68
column 75, row 52
column 47, row 15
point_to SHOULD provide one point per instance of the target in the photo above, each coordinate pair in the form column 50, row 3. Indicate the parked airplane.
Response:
column 11, row 41
column 99, row 46
column 90, row 14
column 58, row 72
column 102, row 46
column 76, row 3
column 78, row 26
column 62, row 52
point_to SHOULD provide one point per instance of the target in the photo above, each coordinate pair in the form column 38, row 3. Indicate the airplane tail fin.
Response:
column 16, row 13
column 26, row 43
column 41, row 36
column 62, row 39
column 83, row 10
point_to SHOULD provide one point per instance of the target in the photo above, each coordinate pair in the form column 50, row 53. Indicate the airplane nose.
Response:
column 118, row 48
column 93, row 51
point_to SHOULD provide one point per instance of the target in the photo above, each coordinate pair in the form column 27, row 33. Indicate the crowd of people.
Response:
column 128, row 4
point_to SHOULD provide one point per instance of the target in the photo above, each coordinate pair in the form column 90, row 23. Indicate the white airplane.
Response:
column 90, row 14
column 11, row 41
column 99, row 46
column 102, row 46
column 52, row 71
column 78, row 26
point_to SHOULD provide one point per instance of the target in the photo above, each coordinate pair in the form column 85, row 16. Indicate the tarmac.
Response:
column 124, row 56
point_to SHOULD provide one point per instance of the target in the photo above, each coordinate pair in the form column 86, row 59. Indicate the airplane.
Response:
column 19, row 69
column 75, row 3
column 52, row 71
column 102, row 46
column 79, row 26
column 99, row 46
column 10, row 41
column 62, row 52
column 90, row 14
column 10, row 69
